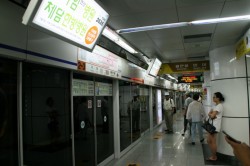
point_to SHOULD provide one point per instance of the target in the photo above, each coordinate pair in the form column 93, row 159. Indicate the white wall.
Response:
column 228, row 76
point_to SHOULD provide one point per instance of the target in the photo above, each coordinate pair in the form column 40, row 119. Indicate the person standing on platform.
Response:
column 168, row 106
column 216, row 115
column 134, row 113
column 196, row 115
column 187, row 102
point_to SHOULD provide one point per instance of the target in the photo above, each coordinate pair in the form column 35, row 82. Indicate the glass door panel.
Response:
column 46, row 116
column 125, row 96
column 84, row 131
column 144, row 100
column 135, row 111
column 104, row 118
column 8, row 113
column 154, row 106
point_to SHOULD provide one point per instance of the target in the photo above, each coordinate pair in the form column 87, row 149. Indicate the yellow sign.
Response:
column 242, row 48
column 182, row 67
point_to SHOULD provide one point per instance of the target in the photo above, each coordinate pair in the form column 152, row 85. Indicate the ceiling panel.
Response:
column 136, row 36
column 192, row 13
column 157, row 17
column 232, row 29
column 236, row 8
column 115, row 7
column 126, row 21
column 200, row 29
column 197, row 2
column 194, row 52
column 198, row 54
column 173, row 54
column 165, row 33
column 148, row 5
column 169, row 43
column 122, row 7
column 197, row 45
column 222, row 43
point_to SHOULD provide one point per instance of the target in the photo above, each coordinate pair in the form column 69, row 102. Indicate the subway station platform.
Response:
column 160, row 149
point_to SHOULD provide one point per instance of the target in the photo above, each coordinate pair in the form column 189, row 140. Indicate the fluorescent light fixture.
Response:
column 220, row 20
column 152, row 27
column 182, row 24
column 171, row 77
column 107, row 32
column 233, row 59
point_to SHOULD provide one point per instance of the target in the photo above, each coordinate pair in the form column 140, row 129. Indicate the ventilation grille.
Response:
column 197, row 38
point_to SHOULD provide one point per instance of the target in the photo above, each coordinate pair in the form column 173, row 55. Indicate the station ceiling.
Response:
column 188, row 43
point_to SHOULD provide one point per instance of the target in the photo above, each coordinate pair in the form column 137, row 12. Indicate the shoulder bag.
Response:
column 209, row 127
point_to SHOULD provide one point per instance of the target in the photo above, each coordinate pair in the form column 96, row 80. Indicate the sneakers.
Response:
column 183, row 134
column 193, row 143
column 202, row 140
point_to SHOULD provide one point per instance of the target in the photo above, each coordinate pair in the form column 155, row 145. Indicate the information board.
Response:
column 190, row 79
column 103, row 89
column 82, row 87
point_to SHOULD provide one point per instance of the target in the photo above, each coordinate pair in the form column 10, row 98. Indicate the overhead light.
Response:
column 182, row 24
column 221, row 20
column 107, row 32
column 152, row 27
column 171, row 77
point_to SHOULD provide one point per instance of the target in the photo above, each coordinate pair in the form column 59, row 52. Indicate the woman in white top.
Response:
column 216, row 115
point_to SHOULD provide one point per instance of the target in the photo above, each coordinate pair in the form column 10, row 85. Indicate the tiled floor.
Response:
column 167, row 150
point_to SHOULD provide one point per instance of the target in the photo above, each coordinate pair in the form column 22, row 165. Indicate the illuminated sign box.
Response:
column 79, row 22
column 155, row 67
column 190, row 79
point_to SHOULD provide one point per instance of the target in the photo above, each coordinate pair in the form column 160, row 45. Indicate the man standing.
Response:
column 187, row 102
column 134, row 108
column 168, row 106
column 196, row 114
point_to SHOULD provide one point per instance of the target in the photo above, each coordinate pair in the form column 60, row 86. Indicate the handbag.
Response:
column 209, row 127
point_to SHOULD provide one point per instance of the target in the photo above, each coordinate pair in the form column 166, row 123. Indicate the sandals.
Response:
column 211, row 159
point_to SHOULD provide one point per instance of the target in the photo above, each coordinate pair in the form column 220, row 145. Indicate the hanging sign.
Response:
column 79, row 22
column 242, row 47
column 180, row 67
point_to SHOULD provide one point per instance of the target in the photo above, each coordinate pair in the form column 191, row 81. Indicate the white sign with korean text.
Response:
column 79, row 21
column 103, row 89
column 82, row 88
column 100, row 61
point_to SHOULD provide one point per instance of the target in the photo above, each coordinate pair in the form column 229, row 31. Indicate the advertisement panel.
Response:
column 79, row 22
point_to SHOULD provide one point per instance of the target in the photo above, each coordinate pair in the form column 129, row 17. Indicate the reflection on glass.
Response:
column 84, row 130
column 159, row 105
column 135, row 111
column 130, row 113
column 154, row 107
column 8, row 113
column 104, row 127
column 46, row 116
column 144, row 99
column 125, row 124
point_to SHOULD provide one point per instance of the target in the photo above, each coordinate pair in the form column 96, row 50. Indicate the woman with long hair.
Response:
column 216, row 116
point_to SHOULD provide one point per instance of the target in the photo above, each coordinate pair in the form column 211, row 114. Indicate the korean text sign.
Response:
column 79, row 21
